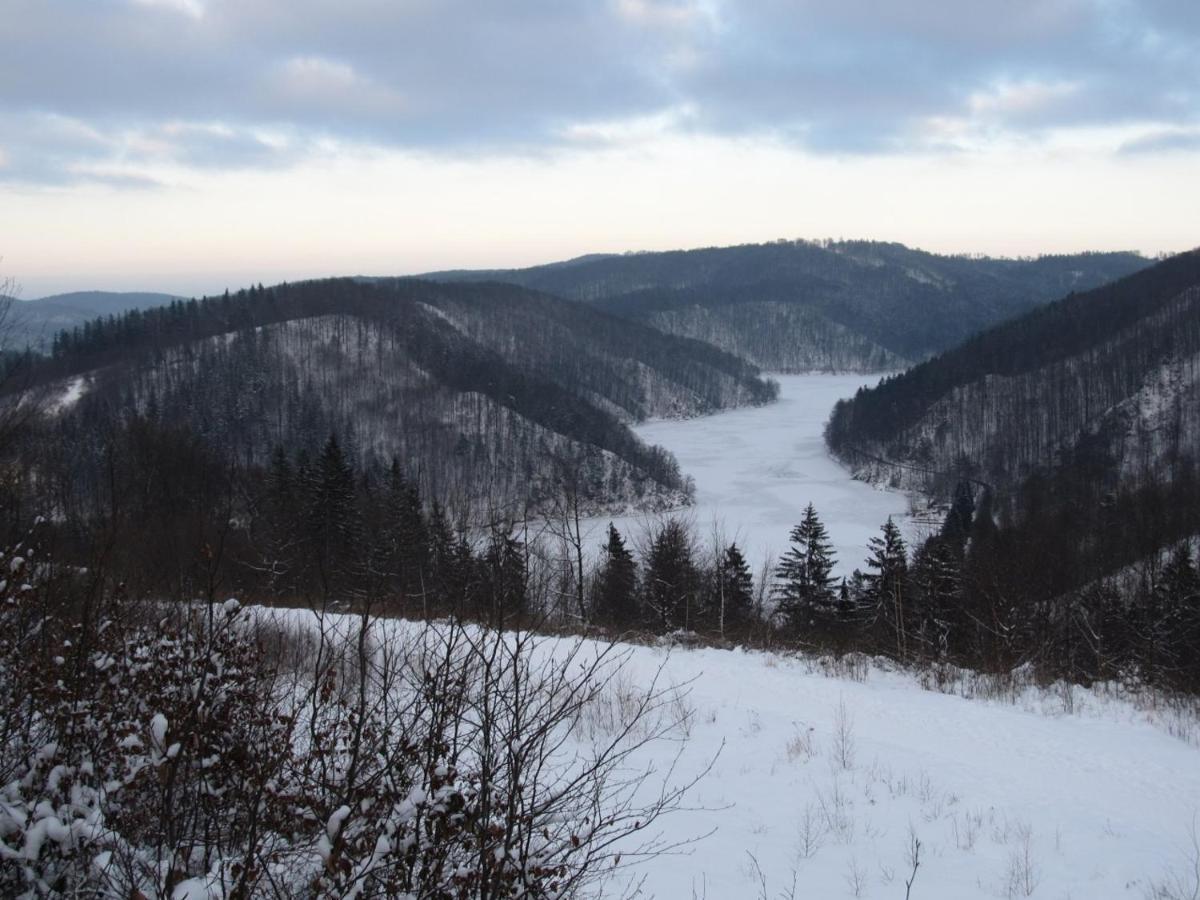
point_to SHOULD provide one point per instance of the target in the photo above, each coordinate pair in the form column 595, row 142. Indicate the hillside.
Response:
column 492, row 397
column 1110, row 373
column 1082, row 418
column 36, row 322
column 802, row 306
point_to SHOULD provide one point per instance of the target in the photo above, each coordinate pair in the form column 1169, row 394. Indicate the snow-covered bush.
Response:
column 164, row 752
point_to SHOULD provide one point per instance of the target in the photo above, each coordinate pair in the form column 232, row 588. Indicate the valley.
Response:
column 755, row 469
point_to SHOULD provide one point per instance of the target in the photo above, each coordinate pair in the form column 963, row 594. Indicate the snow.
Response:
column 72, row 391
column 1099, row 802
column 757, row 468
column 1048, row 792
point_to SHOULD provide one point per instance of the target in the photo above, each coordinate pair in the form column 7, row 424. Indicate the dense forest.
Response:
column 492, row 396
column 860, row 305
column 1074, row 430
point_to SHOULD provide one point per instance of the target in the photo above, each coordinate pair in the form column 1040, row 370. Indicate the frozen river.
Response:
column 756, row 469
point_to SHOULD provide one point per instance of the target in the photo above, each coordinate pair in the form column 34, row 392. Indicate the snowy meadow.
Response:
column 858, row 779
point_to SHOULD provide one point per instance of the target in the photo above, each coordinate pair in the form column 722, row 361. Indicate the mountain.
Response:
column 34, row 323
column 803, row 306
column 1081, row 418
column 494, row 398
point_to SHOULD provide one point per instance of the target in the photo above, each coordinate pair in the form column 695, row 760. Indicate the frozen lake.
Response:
column 756, row 469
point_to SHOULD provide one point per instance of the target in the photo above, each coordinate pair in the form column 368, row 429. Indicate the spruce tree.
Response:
column 332, row 525
column 614, row 590
column 671, row 587
column 804, row 584
column 885, row 588
column 732, row 601
column 408, row 534
column 505, row 588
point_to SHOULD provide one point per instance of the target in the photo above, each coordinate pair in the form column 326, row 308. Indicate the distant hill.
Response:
column 35, row 322
column 492, row 397
column 801, row 306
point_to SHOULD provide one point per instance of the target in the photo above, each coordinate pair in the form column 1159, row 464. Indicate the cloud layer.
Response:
column 126, row 92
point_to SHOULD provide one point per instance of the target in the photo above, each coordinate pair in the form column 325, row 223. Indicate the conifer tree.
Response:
column 671, row 587
column 804, row 585
column 333, row 530
column 408, row 534
column 732, row 602
column 614, row 590
column 885, row 588
column 504, row 591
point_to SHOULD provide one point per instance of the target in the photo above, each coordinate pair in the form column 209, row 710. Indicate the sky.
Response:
column 193, row 145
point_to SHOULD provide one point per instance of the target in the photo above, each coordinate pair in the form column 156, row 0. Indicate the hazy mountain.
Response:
column 492, row 396
column 797, row 305
column 35, row 322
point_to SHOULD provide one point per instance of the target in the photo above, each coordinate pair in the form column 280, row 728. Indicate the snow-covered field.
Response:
column 1019, row 800
column 756, row 469
column 828, row 781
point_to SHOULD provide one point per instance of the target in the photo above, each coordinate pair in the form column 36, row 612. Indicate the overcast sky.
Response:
column 190, row 145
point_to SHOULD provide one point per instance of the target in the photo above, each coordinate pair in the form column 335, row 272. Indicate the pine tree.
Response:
column 333, row 529
column 614, row 590
column 732, row 601
column 1171, row 617
column 804, row 584
column 885, row 588
column 505, row 588
column 407, row 534
column 671, row 587
column 935, row 606
column 957, row 527
column 448, row 582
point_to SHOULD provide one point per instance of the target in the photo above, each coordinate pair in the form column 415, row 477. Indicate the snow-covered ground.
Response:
column 1006, row 800
column 828, row 780
column 757, row 468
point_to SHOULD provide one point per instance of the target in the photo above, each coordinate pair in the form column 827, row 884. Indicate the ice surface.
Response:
column 757, row 468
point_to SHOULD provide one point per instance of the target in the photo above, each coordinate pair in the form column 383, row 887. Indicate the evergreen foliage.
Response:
column 803, row 582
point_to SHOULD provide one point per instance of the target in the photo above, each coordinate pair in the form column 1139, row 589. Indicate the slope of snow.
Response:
column 1006, row 801
column 755, row 470
column 1055, row 793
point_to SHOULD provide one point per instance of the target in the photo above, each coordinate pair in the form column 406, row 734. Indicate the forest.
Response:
column 886, row 304
column 1074, row 428
column 491, row 395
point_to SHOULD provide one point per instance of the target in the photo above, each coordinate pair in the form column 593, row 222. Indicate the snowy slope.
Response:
column 1051, row 793
column 1099, row 802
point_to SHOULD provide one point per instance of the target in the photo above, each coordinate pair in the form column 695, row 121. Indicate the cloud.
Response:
column 192, row 8
column 259, row 83
column 1174, row 141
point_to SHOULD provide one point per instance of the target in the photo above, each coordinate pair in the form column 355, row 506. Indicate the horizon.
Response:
column 190, row 145
column 24, row 295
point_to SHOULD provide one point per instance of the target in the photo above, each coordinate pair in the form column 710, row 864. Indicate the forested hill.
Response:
column 1085, row 410
column 492, row 397
column 34, row 323
column 798, row 305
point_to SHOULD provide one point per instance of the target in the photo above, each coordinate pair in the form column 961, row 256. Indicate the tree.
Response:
column 957, row 526
column 504, row 595
column 671, row 587
column 936, row 605
column 732, row 600
column 885, row 586
column 407, row 534
column 333, row 528
column 804, row 584
column 614, row 589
